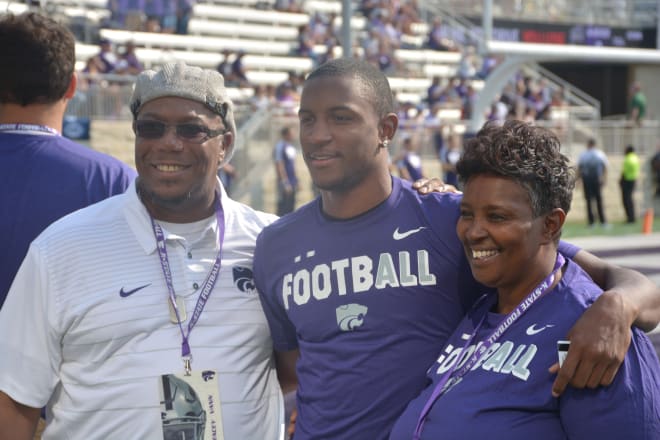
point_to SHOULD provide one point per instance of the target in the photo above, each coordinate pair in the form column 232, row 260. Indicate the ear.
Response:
column 552, row 224
column 388, row 125
column 71, row 90
column 227, row 139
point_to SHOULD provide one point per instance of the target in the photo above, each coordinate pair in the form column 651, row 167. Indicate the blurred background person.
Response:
column 285, row 165
column 629, row 176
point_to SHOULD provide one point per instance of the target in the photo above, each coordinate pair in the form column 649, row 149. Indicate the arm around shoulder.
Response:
column 17, row 421
column 639, row 296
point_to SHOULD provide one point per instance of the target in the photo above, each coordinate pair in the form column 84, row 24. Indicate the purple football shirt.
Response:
column 369, row 302
column 507, row 394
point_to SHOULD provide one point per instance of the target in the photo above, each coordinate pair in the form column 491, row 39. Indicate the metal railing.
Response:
column 603, row 12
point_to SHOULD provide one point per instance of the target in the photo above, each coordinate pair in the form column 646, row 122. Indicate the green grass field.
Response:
column 575, row 229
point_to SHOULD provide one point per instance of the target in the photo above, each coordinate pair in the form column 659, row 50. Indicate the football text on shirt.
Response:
column 356, row 274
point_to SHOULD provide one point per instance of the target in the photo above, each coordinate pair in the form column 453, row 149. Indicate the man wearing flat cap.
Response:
column 144, row 320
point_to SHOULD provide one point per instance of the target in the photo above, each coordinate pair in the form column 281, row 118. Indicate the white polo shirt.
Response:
column 72, row 341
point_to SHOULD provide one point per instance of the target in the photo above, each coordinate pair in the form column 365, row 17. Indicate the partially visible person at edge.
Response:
column 117, row 303
column 284, row 156
column 43, row 175
column 365, row 287
column 629, row 175
column 517, row 191
column 655, row 171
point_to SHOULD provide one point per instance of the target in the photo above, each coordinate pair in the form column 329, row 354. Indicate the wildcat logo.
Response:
column 208, row 375
column 350, row 316
column 243, row 279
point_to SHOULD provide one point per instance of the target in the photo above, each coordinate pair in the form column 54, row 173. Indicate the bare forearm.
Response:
column 17, row 422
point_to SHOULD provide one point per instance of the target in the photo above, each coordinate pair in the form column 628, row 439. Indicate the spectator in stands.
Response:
column 95, row 312
column 305, row 43
column 168, row 20
column 467, row 66
column 592, row 169
column 436, row 39
column 288, row 6
column 184, row 12
column 226, row 70
column 262, row 97
column 105, row 61
column 637, row 104
column 46, row 175
column 488, row 64
column 127, row 14
column 407, row 15
column 128, row 63
column 629, row 176
column 284, row 156
column 368, row 6
column 409, row 162
column 238, row 71
column 154, row 11
column 318, row 28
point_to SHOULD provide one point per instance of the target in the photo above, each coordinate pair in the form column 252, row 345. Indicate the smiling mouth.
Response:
column 167, row 168
column 483, row 254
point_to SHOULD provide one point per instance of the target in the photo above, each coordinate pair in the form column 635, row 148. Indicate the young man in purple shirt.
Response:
column 362, row 286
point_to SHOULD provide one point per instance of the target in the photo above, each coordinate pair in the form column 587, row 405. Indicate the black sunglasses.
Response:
column 197, row 133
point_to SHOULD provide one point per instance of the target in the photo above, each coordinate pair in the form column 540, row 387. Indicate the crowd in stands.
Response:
column 166, row 16
column 387, row 22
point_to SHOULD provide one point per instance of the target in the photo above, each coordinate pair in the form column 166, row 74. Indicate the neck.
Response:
column 49, row 115
column 357, row 200
column 188, row 210
column 508, row 298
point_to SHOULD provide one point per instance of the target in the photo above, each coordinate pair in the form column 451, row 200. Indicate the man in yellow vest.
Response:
column 629, row 175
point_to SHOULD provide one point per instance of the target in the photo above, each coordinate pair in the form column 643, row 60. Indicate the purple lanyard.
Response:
column 207, row 286
column 482, row 347
column 29, row 127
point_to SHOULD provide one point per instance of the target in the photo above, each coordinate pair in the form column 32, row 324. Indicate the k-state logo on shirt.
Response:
column 243, row 279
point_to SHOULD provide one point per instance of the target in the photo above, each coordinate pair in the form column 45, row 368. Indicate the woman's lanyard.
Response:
column 206, row 287
column 507, row 321
column 31, row 128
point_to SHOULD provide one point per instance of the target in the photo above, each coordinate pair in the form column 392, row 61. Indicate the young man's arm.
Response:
column 600, row 338
column 17, row 422
column 285, row 363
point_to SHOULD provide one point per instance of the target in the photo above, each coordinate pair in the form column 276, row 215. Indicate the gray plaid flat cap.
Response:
column 190, row 82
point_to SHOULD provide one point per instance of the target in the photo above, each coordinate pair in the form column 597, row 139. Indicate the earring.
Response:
column 385, row 143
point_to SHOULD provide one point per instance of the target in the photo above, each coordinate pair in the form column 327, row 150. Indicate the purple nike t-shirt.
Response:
column 368, row 301
column 43, row 178
column 507, row 394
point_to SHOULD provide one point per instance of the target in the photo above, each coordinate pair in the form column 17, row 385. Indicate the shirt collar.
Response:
column 139, row 220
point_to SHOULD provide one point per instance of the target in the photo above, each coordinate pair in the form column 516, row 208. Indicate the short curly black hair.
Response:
column 374, row 82
column 37, row 56
column 526, row 154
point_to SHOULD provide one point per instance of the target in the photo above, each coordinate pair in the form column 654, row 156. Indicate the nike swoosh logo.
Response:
column 532, row 330
column 124, row 293
column 401, row 235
